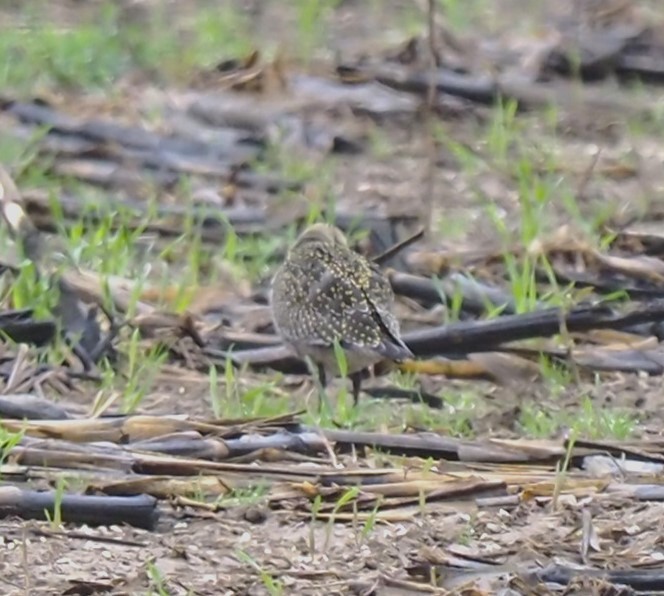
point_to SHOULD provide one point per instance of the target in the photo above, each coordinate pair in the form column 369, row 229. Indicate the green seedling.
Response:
column 271, row 584
column 55, row 517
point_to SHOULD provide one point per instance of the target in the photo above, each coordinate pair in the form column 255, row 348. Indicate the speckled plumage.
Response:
column 325, row 292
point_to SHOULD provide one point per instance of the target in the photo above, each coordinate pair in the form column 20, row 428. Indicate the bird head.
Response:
column 321, row 233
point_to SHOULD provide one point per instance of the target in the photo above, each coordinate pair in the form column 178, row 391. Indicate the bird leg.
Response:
column 356, row 380
column 320, row 380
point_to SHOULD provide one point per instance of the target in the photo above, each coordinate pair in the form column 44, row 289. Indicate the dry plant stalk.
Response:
column 434, row 61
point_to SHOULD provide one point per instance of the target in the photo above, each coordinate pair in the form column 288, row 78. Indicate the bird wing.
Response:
column 344, row 314
column 355, row 310
column 381, row 297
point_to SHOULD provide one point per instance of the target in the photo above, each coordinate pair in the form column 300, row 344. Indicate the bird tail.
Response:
column 395, row 349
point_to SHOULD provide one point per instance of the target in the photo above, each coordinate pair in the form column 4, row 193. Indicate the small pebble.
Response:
column 255, row 515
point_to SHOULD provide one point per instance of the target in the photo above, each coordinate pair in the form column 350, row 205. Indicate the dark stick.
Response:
column 398, row 247
column 139, row 510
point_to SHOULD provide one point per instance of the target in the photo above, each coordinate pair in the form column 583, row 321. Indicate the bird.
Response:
column 326, row 295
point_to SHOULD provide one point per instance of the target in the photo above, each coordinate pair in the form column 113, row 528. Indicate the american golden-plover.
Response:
column 325, row 294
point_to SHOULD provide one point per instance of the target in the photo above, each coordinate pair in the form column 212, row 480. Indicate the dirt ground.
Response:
column 254, row 548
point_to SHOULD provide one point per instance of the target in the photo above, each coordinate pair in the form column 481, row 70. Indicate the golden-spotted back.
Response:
column 325, row 292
